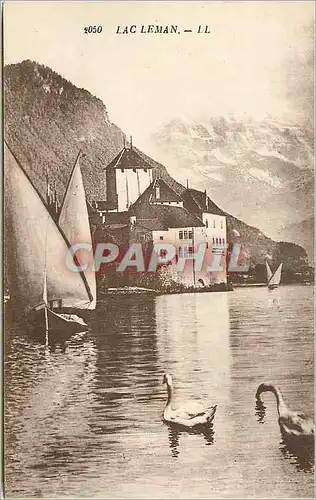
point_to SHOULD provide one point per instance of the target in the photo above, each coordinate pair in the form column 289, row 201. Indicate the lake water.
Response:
column 85, row 420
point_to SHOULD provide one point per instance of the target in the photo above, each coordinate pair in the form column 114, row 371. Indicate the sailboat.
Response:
column 273, row 279
column 42, row 288
column 73, row 220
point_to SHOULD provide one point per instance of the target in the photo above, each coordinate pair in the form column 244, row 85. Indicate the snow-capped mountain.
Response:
column 261, row 171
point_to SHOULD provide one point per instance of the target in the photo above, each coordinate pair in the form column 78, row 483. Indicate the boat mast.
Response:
column 193, row 247
column 46, row 306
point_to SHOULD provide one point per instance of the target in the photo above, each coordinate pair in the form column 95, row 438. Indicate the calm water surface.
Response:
column 85, row 420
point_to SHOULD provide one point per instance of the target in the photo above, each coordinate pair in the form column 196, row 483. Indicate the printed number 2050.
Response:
column 92, row 29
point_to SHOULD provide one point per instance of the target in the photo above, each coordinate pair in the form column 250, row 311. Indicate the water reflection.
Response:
column 298, row 449
column 84, row 417
column 300, row 452
column 175, row 432
column 193, row 342
column 260, row 411
column 48, row 404
column 127, row 371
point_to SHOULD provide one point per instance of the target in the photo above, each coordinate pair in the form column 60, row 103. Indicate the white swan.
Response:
column 292, row 424
column 192, row 414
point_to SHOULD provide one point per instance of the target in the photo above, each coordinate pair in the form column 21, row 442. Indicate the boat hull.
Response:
column 58, row 323
column 273, row 287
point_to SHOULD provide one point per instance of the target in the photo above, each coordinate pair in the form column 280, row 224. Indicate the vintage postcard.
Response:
column 158, row 249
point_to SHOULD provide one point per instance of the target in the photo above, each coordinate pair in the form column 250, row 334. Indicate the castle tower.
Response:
column 127, row 177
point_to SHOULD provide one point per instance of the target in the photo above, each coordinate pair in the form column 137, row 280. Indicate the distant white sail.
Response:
column 269, row 272
column 74, row 222
column 276, row 278
column 35, row 245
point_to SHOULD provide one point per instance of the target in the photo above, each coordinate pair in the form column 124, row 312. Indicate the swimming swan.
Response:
column 190, row 415
column 292, row 424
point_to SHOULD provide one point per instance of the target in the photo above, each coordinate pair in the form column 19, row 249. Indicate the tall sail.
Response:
column 269, row 272
column 35, row 245
column 276, row 278
column 74, row 222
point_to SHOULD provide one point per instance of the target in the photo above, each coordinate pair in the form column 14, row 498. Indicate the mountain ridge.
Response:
column 262, row 171
column 299, row 233
column 47, row 121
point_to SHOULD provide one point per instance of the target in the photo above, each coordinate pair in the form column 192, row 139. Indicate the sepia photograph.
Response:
column 158, row 257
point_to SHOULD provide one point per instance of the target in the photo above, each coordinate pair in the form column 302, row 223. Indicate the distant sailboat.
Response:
column 269, row 272
column 273, row 279
column 39, row 278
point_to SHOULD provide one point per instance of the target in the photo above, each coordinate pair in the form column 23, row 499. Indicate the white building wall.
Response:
column 130, row 185
column 121, row 190
column 216, row 229
column 216, row 237
column 172, row 238
column 145, row 179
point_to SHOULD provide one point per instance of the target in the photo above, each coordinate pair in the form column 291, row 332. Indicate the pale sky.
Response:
column 258, row 58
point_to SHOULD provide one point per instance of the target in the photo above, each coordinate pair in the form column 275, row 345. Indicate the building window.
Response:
column 185, row 235
column 145, row 170
column 186, row 252
column 206, row 245
column 180, row 235
column 223, row 241
column 161, row 238
column 157, row 192
column 122, row 170
column 134, row 170
column 220, row 241
column 214, row 225
column 216, row 241
column 222, row 224
column 213, row 241
column 190, row 235
column 206, row 223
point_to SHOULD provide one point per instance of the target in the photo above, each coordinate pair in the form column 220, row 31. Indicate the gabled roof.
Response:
column 103, row 205
column 197, row 201
column 114, row 227
column 116, row 218
column 162, row 217
column 128, row 158
column 166, row 193
column 151, row 224
column 177, row 217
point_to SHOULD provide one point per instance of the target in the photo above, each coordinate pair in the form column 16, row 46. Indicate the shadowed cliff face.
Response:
column 300, row 233
column 47, row 121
